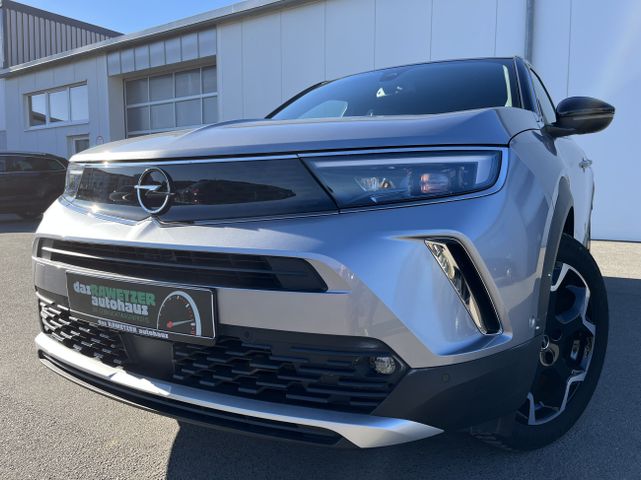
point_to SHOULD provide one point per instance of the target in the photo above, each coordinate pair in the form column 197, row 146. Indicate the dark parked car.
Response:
column 30, row 182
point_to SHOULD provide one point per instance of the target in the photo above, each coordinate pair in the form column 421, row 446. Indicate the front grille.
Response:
column 305, row 374
column 285, row 373
column 86, row 338
column 219, row 190
column 188, row 267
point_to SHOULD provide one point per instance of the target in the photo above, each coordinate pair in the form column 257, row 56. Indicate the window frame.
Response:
column 173, row 100
column 8, row 158
column 72, row 139
column 534, row 78
column 48, row 123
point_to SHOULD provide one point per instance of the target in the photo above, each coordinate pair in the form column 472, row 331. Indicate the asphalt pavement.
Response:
column 51, row 428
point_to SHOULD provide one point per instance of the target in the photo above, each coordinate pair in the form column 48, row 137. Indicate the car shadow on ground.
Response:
column 204, row 453
column 199, row 452
column 14, row 224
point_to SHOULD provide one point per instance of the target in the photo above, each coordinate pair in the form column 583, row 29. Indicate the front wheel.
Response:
column 571, row 356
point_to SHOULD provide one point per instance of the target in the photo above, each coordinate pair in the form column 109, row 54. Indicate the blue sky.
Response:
column 127, row 15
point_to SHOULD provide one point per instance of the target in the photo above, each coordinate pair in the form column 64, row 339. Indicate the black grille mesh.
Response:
column 88, row 339
column 283, row 373
column 313, row 376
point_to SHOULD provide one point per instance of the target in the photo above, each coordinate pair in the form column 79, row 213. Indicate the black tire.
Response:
column 523, row 435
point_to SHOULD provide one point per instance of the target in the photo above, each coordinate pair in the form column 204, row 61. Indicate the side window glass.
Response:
column 19, row 164
column 45, row 164
column 545, row 102
column 3, row 164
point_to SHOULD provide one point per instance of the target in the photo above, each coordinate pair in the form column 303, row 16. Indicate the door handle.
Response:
column 585, row 163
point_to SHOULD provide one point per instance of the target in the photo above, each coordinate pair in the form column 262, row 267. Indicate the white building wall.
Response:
column 590, row 47
column 55, row 139
column 264, row 60
column 302, row 39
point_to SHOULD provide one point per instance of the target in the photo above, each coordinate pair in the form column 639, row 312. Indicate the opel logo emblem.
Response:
column 154, row 191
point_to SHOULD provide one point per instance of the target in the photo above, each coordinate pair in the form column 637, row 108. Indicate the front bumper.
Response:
column 453, row 397
column 364, row 431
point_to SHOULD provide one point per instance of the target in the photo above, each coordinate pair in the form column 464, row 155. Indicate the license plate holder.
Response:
column 151, row 309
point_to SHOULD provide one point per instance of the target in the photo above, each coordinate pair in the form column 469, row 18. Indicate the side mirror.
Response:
column 579, row 115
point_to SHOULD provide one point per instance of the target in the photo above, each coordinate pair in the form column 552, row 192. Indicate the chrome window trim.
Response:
column 159, row 223
column 31, row 172
column 286, row 156
column 160, row 162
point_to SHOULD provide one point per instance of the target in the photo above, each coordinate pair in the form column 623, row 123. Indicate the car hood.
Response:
column 494, row 126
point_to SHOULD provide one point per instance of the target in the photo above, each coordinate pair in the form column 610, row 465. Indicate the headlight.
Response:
column 72, row 182
column 356, row 181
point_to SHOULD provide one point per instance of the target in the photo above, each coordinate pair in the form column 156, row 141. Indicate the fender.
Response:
column 503, row 425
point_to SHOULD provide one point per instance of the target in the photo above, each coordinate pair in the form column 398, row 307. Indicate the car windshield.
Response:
column 410, row 90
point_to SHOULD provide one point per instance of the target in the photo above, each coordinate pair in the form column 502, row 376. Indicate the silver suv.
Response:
column 384, row 257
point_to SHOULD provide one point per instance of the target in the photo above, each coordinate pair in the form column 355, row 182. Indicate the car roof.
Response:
column 32, row 154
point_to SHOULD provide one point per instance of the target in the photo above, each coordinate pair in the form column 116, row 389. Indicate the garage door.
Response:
column 171, row 101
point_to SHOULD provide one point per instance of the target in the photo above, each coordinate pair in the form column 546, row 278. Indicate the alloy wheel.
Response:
column 566, row 349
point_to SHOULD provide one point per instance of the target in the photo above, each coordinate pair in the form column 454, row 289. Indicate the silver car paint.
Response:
column 383, row 281
column 495, row 126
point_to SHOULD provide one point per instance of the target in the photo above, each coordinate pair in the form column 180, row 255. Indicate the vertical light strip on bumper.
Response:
column 462, row 274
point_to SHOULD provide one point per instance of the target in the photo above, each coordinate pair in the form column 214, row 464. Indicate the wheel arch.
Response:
column 562, row 222
column 568, row 226
column 562, row 218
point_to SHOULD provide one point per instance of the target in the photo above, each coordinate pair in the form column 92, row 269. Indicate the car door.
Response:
column 578, row 166
column 4, row 185
column 14, row 184
column 25, row 186
column 52, row 172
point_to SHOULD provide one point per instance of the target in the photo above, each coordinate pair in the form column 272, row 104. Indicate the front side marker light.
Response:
column 462, row 274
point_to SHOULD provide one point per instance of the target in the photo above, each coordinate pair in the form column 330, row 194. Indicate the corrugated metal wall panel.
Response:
column 190, row 46
column 30, row 33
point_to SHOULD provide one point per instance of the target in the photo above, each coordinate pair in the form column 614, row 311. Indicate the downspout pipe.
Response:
column 529, row 30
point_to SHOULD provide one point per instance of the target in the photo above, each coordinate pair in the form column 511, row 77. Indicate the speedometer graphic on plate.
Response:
column 179, row 314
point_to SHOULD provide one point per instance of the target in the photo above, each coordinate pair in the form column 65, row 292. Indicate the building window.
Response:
column 78, row 143
column 170, row 101
column 58, row 107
